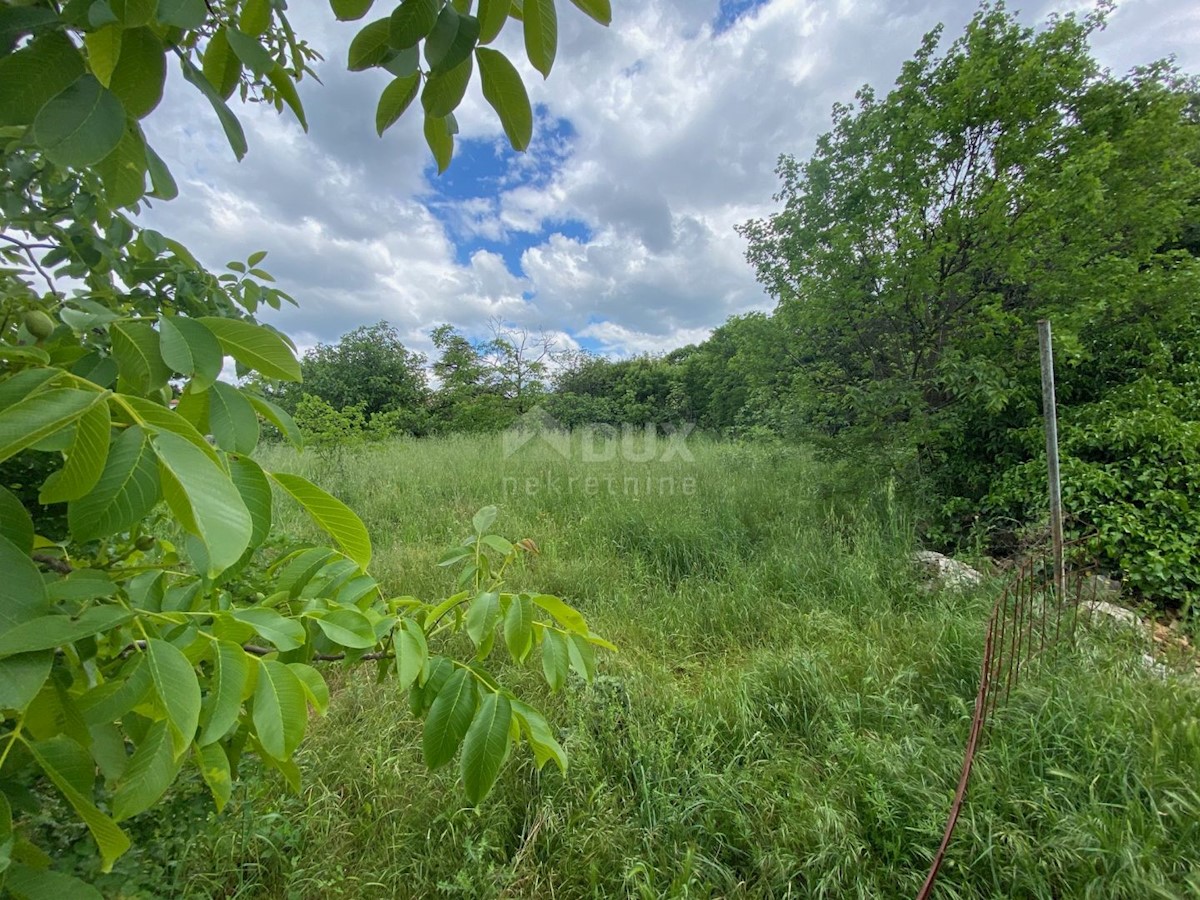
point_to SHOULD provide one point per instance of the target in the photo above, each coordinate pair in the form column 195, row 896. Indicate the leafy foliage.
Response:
column 1008, row 180
column 168, row 627
column 368, row 367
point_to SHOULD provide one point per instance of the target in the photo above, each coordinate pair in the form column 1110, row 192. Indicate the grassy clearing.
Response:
column 786, row 717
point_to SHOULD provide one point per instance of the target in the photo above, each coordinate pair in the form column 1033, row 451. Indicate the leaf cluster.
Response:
column 164, row 622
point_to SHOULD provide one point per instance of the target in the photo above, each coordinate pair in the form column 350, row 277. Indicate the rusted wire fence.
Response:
column 1029, row 621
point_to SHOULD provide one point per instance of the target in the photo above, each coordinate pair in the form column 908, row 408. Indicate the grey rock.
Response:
column 947, row 572
column 1102, row 609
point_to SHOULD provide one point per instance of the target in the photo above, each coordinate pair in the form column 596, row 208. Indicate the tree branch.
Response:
column 28, row 249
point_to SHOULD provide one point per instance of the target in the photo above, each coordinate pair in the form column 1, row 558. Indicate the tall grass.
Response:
column 786, row 717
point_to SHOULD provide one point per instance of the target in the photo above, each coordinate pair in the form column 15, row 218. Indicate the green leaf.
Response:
column 33, row 354
column 192, row 407
column 22, row 677
column 486, row 746
column 150, row 771
column 18, row 20
column 127, row 490
column 81, row 125
column 158, row 418
column 204, row 500
column 451, row 41
column 255, row 489
column 497, row 543
column 541, row 34
column 255, row 17
column 335, row 517
column 15, row 522
column 100, row 13
column 109, row 701
column 132, row 13
column 412, row 651
column 184, row 14
column 518, row 627
column 222, row 67
column 582, row 655
column 141, row 72
column 455, row 554
column 31, row 76
column 223, row 704
column 40, row 415
column 411, row 21
column 103, row 50
column 190, row 349
column 214, row 769
column 229, row 122
column 108, row 750
column 85, row 460
column 300, row 569
column 541, row 739
column 370, row 46
column 286, row 634
column 62, row 759
column 175, row 683
column 599, row 10
column 28, row 883
column 394, row 100
column 403, row 63
column 444, row 90
column 567, row 617
column 280, row 711
column 315, row 688
column 504, row 90
column 484, row 519
column 449, row 718
column 24, row 384
column 556, row 662
column 160, row 177
column 123, row 171
column 139, row 360
column 46, row 632
column 440, row 141
column 255, row 347
column 232, row 419
column 347, row 627
column 482, row 617
column 492, row 16
column 277, row 417
column 252, row 53
column 82, row 584
column 286, row 88
column 6, row 840
column 350, row 10
column 100, row 370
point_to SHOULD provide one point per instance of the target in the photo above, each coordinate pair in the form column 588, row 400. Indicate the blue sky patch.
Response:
column 464, row 198
column 731, row 10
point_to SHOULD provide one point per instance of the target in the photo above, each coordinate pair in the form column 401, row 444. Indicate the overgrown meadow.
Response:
column 786, row 716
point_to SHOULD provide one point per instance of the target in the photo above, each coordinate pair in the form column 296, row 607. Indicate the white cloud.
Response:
column 674, row 134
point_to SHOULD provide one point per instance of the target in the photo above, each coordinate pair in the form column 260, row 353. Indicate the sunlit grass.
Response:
column 786, row 717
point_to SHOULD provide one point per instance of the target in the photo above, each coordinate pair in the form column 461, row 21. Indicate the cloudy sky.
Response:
column 653, row 139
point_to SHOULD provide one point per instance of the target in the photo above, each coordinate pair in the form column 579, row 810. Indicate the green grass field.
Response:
column 786, row 717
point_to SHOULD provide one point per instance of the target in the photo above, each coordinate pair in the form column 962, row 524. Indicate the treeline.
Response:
column 1002, row 181
column 370, row 383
